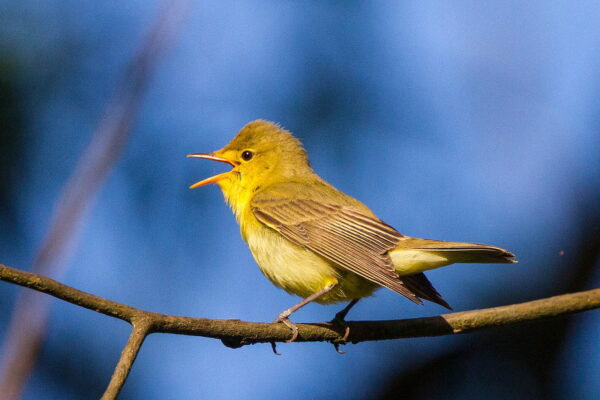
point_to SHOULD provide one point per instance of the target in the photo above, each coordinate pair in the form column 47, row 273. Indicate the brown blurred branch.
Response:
column 27, row 326
column 237, row 333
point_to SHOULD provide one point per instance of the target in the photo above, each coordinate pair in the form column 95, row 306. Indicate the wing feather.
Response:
column 342, row 234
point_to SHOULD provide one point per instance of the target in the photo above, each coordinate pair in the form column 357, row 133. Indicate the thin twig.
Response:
column 141, row 329
column 27, row 325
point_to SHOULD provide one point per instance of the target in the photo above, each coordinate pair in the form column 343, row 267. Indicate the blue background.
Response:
column 464, row 121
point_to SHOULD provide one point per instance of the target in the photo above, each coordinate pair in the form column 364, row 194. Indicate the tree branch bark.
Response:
column 236, row 333
column 138, row 335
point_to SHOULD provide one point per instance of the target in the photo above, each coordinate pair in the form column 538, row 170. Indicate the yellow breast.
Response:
column 293, row 268
column 298, row 270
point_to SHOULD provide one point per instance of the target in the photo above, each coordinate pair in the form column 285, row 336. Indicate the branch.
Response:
column 241, row 333
column 140, row 331
column 236, row 333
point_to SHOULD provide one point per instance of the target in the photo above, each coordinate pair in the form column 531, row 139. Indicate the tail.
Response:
column 414, row 255
column 420, row 285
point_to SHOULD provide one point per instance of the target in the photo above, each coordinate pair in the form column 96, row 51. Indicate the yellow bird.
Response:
column 316, row 242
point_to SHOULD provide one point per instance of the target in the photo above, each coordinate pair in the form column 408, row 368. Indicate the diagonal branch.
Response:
column 141, row 329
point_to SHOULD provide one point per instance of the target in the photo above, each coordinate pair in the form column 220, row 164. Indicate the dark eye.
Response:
column 247, row 155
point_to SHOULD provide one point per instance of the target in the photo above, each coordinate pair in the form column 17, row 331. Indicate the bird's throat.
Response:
column 237, row 197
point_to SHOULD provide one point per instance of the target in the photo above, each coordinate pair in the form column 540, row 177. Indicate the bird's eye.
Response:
column 247, row 155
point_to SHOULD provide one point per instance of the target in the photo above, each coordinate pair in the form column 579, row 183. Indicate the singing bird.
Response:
column 316, row 242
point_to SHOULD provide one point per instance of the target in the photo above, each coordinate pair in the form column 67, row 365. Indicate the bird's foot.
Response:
column 283, row 317
column 339, row 320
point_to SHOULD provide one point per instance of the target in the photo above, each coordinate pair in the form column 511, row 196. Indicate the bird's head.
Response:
column 261, row 154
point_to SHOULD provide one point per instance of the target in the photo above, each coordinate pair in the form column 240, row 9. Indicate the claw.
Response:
column 284, row 319
column 343, row 323
column 294, row 336
column 337, row 348
column 346, row 334
column 344, row 338
column 274, row 348
column 293, row 328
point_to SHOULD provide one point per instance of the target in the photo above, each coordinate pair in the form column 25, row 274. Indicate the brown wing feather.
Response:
column 419, row 284
column 342, row 234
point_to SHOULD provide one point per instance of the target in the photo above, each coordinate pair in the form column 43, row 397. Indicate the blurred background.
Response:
column 467, row 121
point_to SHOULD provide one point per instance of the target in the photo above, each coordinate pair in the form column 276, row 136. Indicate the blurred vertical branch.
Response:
column 27, row 326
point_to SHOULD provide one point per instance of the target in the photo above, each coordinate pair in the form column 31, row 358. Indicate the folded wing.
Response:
column 345, row 235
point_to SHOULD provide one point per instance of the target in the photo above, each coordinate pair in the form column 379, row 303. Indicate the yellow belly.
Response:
column 300, row 271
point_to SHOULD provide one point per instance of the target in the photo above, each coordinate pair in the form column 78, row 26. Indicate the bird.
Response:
column 314, row 241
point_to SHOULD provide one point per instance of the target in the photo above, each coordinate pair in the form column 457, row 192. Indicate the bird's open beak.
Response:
column 216, row 178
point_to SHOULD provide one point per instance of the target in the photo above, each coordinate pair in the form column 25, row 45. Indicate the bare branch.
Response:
column 236, row 333
column 27, row 325
column 141, row 329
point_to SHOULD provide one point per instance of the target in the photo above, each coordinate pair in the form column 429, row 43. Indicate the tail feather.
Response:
column 413, row 255
column 420, row 285
column 478, row 252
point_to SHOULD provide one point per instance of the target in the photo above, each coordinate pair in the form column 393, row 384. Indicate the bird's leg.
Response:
column 339, row 319
column 284, row 316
